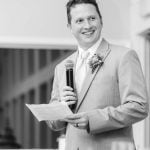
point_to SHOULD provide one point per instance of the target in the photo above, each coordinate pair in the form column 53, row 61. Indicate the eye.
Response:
column 79, row 21
column 92, row 18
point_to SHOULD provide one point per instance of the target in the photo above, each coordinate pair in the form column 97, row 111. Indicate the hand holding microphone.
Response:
column 68, row 94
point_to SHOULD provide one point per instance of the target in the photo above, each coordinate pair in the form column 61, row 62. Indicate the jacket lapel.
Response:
column 103, row 50
column 73, row 57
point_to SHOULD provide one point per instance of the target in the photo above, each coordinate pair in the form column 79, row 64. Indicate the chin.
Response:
column 90, row 43
column 90, row 40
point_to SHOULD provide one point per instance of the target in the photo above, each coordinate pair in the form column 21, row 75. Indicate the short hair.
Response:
column 72, row 3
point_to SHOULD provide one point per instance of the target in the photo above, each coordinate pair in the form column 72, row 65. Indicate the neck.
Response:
column 86, row 47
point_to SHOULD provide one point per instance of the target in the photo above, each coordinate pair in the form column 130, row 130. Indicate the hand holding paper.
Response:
column 51, row 112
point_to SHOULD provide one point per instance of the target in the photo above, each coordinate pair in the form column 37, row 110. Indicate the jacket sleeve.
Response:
column 55, row 96
column 133, row 95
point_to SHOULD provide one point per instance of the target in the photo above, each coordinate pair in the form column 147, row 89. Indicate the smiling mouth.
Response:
column 88, row 33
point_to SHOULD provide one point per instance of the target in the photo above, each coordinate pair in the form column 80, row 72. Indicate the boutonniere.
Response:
column 95, row 61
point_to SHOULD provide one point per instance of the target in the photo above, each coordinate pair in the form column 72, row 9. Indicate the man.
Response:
column 110, row 92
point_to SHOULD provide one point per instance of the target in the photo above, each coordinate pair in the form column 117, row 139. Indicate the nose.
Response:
column 87, row 24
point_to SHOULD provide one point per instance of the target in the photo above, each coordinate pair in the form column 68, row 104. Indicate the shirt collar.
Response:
column 91, row 50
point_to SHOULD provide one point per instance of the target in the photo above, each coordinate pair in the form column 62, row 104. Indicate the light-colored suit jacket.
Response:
column 114, row 97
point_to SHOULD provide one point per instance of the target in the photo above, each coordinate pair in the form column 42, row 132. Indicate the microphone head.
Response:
column 69, row 64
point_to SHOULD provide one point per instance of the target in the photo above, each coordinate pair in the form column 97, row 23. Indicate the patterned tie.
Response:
column 81, row 70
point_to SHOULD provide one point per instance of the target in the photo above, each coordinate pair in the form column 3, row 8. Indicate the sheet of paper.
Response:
column 53, row 111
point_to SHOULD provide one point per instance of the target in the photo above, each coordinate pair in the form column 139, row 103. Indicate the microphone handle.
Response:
column 69, row 78
column 69, row 75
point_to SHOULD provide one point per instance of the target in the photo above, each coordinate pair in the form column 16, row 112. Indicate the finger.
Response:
column 80, row 116
column 69, row 98
column 67, row 88
column 83, row 120
column 70, row 121
column 82, row 125
column 73, row 117
column 68, row 93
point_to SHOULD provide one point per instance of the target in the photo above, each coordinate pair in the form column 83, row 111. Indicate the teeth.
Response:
column 88, row 33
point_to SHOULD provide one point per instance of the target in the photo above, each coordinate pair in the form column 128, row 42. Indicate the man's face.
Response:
column 85, row 24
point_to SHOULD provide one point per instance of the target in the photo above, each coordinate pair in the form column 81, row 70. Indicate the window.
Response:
column 55, row 54
column 42, row 58
column 31, row 61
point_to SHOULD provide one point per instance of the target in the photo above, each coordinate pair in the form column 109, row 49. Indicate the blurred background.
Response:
column 33, row 39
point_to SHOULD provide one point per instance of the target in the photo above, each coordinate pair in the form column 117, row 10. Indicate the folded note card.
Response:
column 51, row 112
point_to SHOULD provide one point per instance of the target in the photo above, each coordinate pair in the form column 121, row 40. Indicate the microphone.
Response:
column 69, row 73
column 69, row 78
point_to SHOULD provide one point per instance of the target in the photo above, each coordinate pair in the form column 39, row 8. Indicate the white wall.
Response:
column 32, row 20
column 140, row 26
column 116, row 19
column 35, row 18
column 44, row 21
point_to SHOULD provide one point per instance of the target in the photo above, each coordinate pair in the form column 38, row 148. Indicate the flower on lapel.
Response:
column 95, row 61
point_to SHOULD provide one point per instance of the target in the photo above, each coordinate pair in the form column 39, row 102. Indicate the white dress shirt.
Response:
column 82, row 63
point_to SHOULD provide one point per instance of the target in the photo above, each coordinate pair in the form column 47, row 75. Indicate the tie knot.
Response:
column 84, row 55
